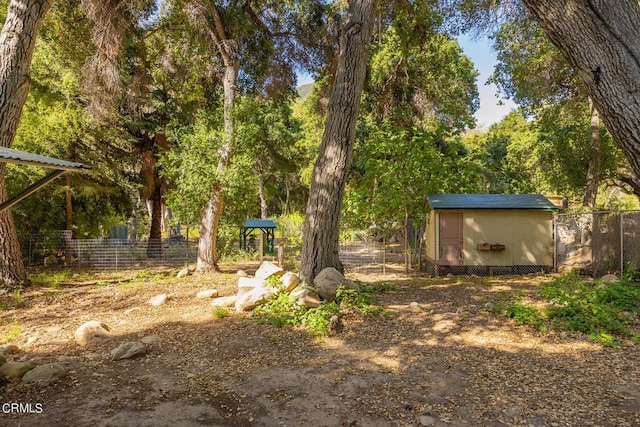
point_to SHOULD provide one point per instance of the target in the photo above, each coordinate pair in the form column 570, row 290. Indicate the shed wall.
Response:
column 526, row 234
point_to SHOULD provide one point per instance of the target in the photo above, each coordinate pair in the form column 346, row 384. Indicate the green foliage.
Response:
column 289, row 227
column 220, row 312
column 11, row 331
column 606, row 312
column 148, row 275
column 395, row 167
column 52, row 278
column 284, row 310
column 523, row 314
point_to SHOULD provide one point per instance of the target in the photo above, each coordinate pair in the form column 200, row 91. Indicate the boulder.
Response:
column 129, row 350
column 229, row 301
column 16, row 369
column 609, row 278
column 251, row 299
column 307, row 297
column 247, row 284
column 45, row 374
column 289, row 281
column 158, row 300
column 90, row 332
column 51, row 261
column 328, row 281
column 183, row 273
column 151, row 340
column 209, row 293
column 242, row 273
column 268, row 269
column 9, row 349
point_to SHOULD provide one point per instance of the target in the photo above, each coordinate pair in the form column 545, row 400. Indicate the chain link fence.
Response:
column 367, row 254
column 57, row 248
column 594, row 243
column 597, row 243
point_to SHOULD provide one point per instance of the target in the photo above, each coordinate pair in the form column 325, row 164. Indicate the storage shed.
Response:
column 489, row 234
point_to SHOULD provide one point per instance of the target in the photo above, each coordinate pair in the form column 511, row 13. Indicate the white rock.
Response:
column 90, row 332
column 415, row 306
column 242, row 273
column 16, row 369
column 183, row 273
column 229, row 301
column 328, row 280
column 428, row 420
column 158, row 300
column 250, row 300
column 209, row 293
column 289, row 280
column 247, row 284
column 151, row 340
column 129, row 350
column 307, row 297
column 45, row 374
column 268, row 269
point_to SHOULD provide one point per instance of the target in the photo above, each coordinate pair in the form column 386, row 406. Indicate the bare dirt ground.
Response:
column 447, row 363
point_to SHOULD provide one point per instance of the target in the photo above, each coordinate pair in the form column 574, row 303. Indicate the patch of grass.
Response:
column 52, row 278
column 375, row 288
column 150, row 276
column 13, row 330
column 220, row 312
column 284, row 310
column 16, row 300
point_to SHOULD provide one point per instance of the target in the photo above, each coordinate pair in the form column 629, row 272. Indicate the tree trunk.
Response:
column 154, row 246
column 601, row 43
column 17, row 42
column 68, row 204
column 405, row 244
column 263, row 200
column 321, row 228
column 593, row 172
column 207, row 245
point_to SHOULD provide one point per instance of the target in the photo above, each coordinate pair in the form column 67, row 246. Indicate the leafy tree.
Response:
column 267, row 134
column 598, row 41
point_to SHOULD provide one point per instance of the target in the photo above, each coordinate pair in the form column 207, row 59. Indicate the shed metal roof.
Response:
column 259, row 223
column 9, row 155
column 490, row 201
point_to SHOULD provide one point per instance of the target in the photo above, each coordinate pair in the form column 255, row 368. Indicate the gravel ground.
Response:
column 436, row 358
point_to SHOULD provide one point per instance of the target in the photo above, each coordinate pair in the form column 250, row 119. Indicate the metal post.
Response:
column 621, row 243
column 555, row 243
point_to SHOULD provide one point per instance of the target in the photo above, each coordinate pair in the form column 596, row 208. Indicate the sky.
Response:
column 484, row 58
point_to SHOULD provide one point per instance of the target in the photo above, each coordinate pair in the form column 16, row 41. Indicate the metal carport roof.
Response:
column 9, row 155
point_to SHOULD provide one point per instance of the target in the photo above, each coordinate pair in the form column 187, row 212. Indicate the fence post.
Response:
column 621, row 243
column 555, row 243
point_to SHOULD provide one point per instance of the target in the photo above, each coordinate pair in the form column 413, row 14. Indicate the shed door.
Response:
column 451, row 238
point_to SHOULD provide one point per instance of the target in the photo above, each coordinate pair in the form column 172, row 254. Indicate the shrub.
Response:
column 284, row 310
column 606, row 312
